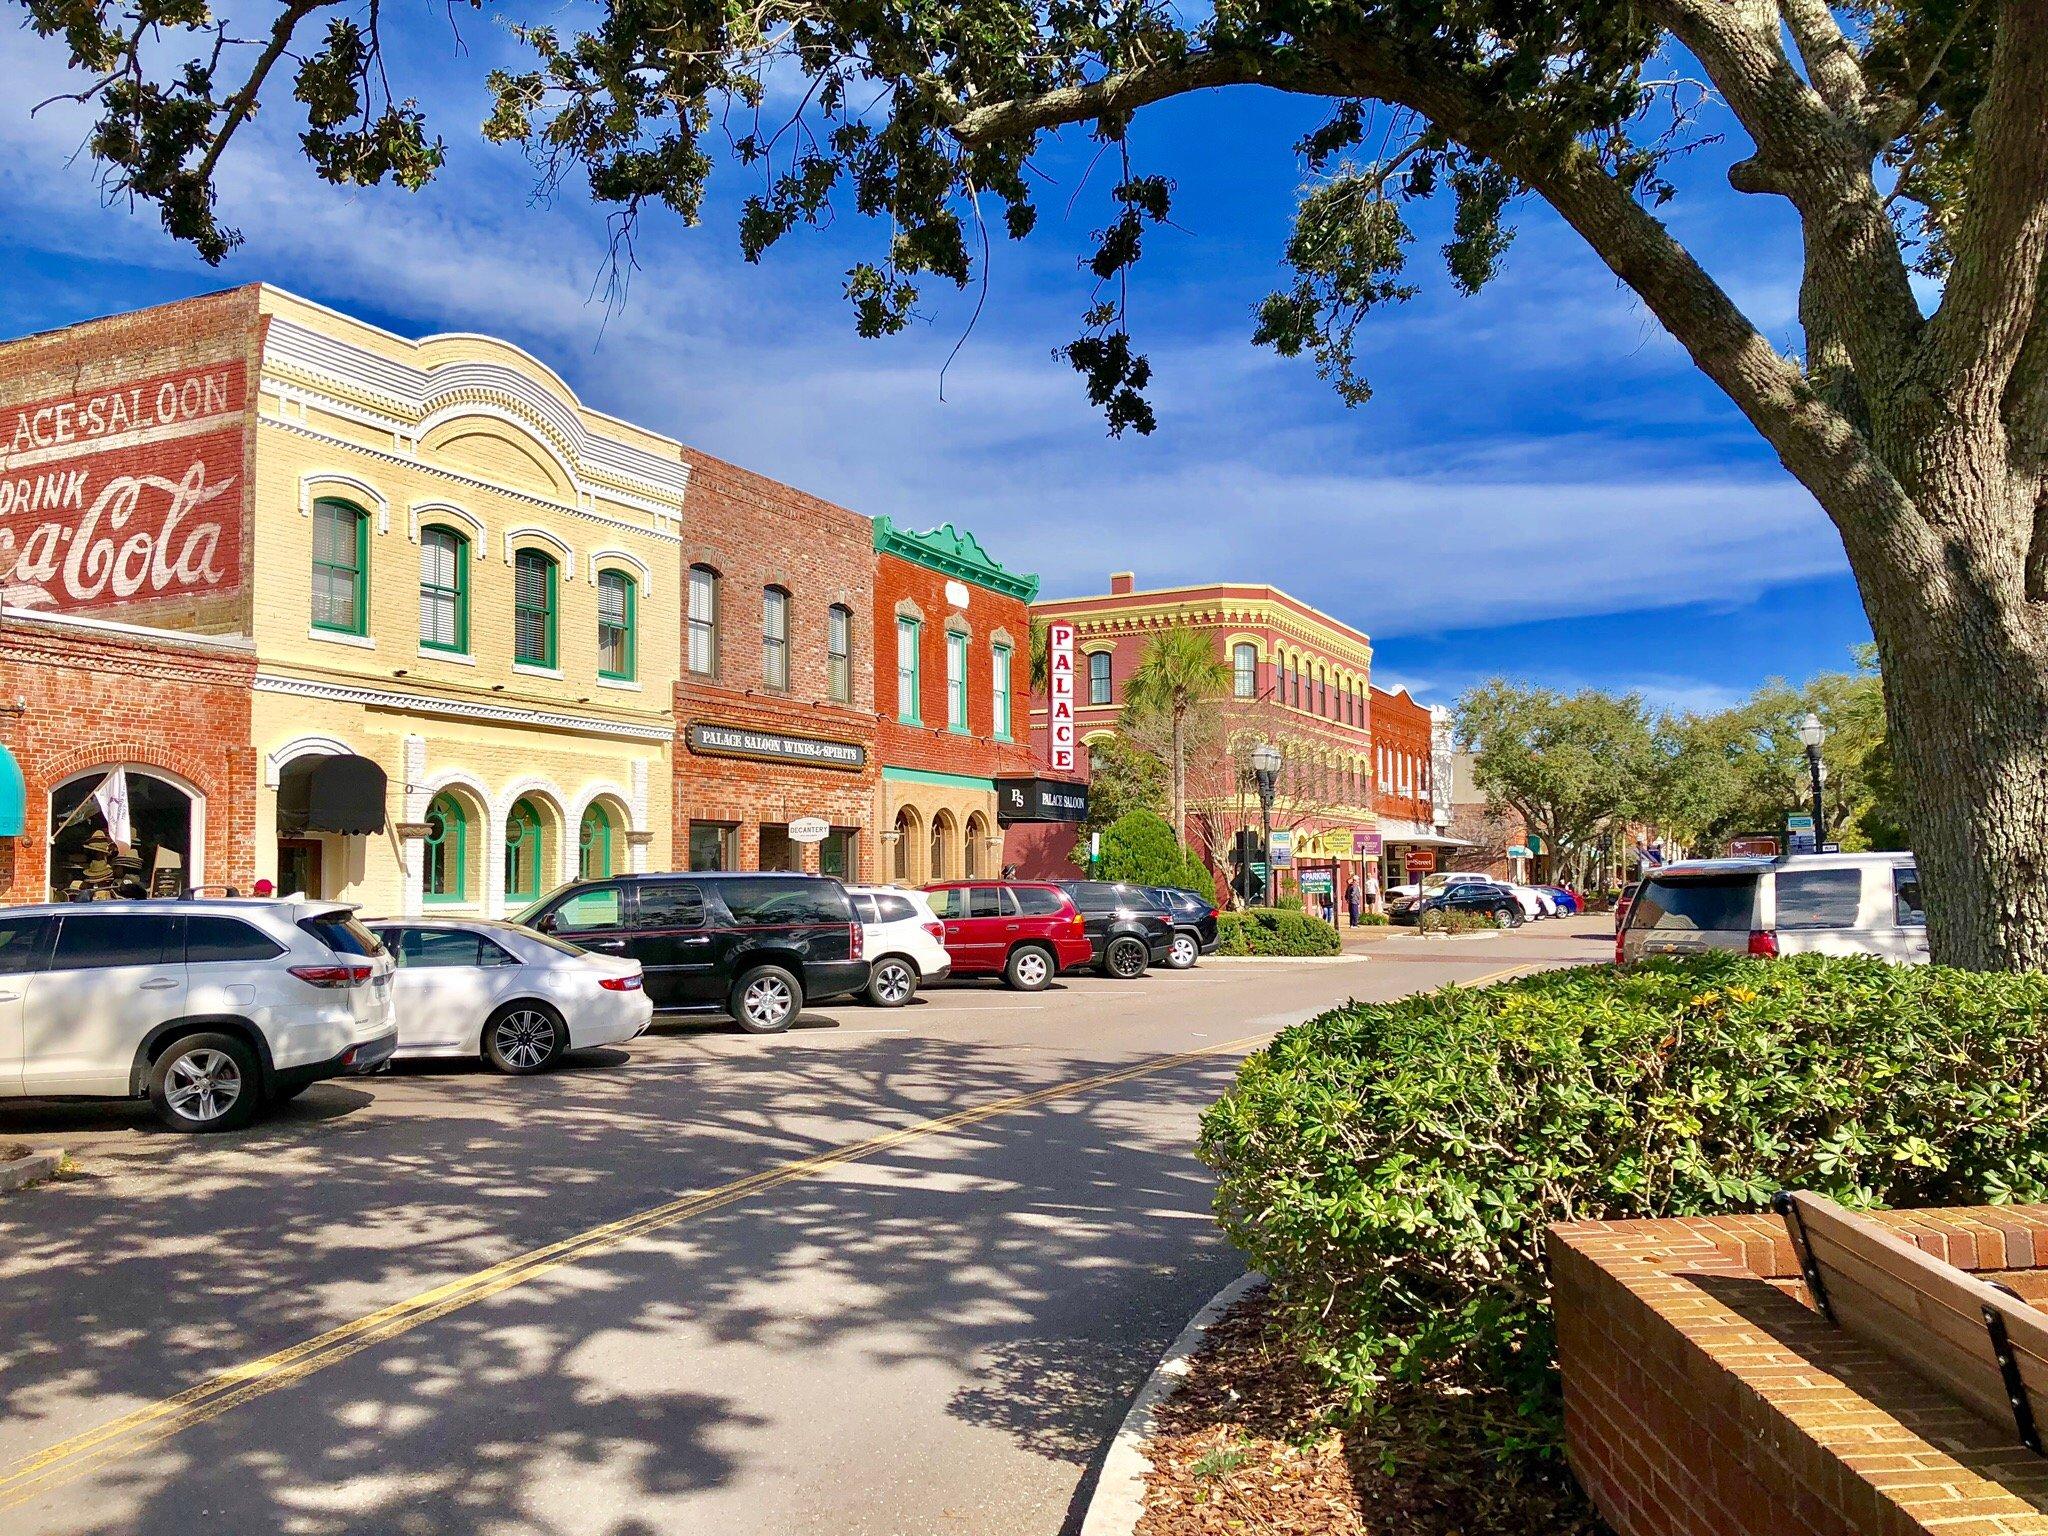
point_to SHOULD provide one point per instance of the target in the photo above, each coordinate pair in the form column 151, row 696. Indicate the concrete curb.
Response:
column 1285, row 959
column 1118, row 1501
column 33, row 1169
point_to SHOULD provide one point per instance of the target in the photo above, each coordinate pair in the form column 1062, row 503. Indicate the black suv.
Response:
column 754, row 946
column 1194, row 924
column 1126, row 928
column 1496, row 903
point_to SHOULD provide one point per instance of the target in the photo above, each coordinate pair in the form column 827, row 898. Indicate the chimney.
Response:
column 1121, row 582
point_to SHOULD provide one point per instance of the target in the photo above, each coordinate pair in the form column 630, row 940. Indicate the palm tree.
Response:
column 1181, row 672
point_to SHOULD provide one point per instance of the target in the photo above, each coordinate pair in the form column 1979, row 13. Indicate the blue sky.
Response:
column 1541, row 487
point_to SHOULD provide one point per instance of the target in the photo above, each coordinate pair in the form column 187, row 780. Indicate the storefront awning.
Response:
column 338, row 793
column 1035, row 799
column 13, row 796
column 1425, row 840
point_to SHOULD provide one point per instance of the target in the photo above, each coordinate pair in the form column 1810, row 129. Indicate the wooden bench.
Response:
column 1975, row 1340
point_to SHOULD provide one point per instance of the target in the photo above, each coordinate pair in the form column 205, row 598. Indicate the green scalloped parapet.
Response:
column 952, row 552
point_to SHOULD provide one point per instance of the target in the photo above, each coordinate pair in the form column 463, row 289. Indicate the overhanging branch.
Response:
column 1123, row 93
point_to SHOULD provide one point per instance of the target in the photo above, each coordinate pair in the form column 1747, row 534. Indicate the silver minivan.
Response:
column 1806, row 904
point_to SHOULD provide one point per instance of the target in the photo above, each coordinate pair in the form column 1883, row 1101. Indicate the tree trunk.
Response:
column 1180, row 783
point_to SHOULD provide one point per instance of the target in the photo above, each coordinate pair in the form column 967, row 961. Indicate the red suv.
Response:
column 1024, row 931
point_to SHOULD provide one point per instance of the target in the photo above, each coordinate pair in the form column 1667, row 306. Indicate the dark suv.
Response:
column 1194, row 924
column 754, row 946
column 1127, row 930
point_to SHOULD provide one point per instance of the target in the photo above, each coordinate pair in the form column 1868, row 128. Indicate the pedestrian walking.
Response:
column 1354, row 899
column 1372, row 889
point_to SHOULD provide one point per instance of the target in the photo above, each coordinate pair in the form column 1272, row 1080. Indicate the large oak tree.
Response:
column 1907, row 135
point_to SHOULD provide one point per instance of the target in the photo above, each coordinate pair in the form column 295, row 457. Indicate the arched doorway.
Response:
column 451, row 853
column 525, row 853
column 903, row 868
column 974, row 848
column 598, row 839
column 942, row 865
column 167, row 818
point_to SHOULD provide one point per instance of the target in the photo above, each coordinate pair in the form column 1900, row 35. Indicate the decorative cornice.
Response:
column 952, row 552
column 428, row 704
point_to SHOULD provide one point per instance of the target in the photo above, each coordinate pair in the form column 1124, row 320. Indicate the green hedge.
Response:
column 1275, row 931
column 1392, row 1166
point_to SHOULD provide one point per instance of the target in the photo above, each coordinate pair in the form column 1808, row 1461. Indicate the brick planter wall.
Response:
column 1704, row 1396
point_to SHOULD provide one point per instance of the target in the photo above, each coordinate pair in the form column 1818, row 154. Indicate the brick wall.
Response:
column 1703, row 1397
column 756, row 532
column 931, row 745
column 1401, row 729
column 96, row 698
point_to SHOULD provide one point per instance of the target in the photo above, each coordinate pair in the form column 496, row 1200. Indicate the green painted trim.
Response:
column 952, row 552
column 916, row 715
column 933, row 776
column 630, row 626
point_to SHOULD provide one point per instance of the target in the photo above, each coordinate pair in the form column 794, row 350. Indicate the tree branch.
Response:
column 1831, row 63
column 1123, row 93
column 243, row 102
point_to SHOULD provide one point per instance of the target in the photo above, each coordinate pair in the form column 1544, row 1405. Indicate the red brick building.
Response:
column 1404, row 789
column 952, row 684
column 775, row 712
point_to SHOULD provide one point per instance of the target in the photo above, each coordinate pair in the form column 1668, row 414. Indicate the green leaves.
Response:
column 1393, row 1166
column 1277, row 931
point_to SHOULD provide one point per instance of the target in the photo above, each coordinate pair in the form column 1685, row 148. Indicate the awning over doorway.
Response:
column 13, row 796
column 340, row 793
column 1036, row 799
column 1422, row 839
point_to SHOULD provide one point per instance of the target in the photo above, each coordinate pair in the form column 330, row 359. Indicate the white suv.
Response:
column 903, row 939
column 1807, row 904
column 208, row 1008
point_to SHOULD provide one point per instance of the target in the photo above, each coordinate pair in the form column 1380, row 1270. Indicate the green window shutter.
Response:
column 533, row 608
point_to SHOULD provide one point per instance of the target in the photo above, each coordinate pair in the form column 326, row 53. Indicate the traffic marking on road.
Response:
column 228, row 1389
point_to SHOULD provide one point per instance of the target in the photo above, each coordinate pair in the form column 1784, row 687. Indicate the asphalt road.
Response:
column 894, row 1272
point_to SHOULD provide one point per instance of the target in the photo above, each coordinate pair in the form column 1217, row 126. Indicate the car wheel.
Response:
column 1030, row 969
column 892, row 983
column 1185, row 952
column 766, row 1000
column 206, row 1083
column 1506, row 919
column 1125, row 959
column 524, row 1038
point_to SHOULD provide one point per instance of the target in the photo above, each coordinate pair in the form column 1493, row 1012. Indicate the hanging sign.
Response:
column 1059, row 640
column 1281, row 850
column 809, row 829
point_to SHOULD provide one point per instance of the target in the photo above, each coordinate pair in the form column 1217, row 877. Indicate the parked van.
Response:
column 1807, row 904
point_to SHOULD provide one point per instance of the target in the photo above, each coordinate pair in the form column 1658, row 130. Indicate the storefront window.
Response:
column 84, row 861
column 839, row 854
column 711, row 845
column 973, row 849
column 906, row 846
column 446, row 850
column 942, row 866
column 523, row 852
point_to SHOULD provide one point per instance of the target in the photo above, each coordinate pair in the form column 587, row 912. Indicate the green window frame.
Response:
column 445, row 872
column 536, row 582
column 1000, row 691
column 523, row 851
column 909, row 682
column 444, row 590
column 956, row 682
column 341, row 567
column 618, row 604
column 594, row 844
column 839, row 652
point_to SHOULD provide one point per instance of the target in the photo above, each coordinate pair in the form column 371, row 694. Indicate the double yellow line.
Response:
column 218, row 1394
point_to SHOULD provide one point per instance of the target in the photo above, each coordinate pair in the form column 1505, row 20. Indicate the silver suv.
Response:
column 1807, row 904
column 209, row 1009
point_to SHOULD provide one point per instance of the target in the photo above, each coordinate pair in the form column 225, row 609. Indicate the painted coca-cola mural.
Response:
column 126, row 501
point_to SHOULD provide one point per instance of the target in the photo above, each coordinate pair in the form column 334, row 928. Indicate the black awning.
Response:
column 342, row 793
column 1034, row 799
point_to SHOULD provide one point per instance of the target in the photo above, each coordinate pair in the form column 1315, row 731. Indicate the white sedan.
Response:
column 903, row 940
column 468, row 986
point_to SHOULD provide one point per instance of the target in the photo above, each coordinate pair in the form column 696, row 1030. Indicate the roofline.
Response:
column 1268, row 588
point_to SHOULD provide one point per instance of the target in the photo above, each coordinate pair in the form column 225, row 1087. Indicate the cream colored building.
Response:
column 462, row 576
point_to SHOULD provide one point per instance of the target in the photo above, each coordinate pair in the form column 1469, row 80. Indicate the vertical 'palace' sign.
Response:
column 1059, row 641
column 125, row 500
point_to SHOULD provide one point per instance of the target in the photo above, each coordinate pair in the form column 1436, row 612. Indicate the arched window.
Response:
column 942, row 847
column 775, row 638
column 1098, row 677
column 166, row 822
column 1244, row 667
column 903, row 863
column 444, row 590
column 618, row 603
column 977, row 834
column 839, row 652
column 594, row 844
column 535, row 578
column 445, row 877
column 703, row 621
column 523, row 851
column 341, row 568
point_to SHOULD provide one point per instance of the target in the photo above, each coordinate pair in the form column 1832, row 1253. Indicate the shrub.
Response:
column 1140, row 847
column 1372, row 919
column 1392, row 1166
column 1274, row 931
column 1443, row 920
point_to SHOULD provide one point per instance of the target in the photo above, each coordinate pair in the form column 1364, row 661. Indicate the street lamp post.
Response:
column 1266, row 769
column 1813, row 733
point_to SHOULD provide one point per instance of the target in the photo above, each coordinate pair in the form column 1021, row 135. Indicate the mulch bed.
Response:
column 1246, row 1445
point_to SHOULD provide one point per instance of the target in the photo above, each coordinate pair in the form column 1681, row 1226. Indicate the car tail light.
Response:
column 936, row 929
column 333, row 975
column 859, row 942
column 619, row 983
column 1079, row 922
column 1764, row 942
column 1617, row 946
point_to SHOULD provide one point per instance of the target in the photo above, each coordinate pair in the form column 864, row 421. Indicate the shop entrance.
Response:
column 298, row 866
column 166, row 820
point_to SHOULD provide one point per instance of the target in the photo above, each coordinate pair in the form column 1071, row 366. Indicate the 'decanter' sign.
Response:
column 120, row 498
column 1059, row 641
